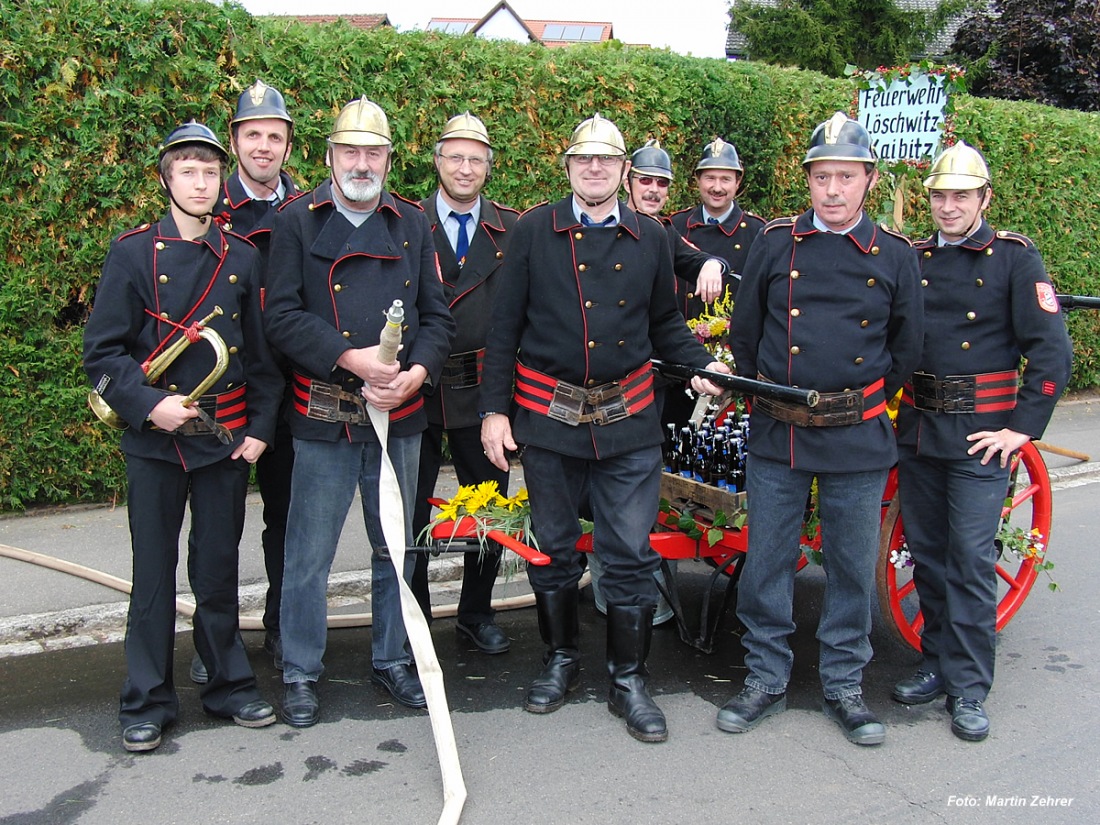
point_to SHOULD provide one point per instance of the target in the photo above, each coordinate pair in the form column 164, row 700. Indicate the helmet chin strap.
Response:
column 201, row 217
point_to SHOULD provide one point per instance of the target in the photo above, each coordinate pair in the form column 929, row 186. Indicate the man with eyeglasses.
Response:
column 718, row 225
column 586, row 299
column 339, row 258
column 471, row 235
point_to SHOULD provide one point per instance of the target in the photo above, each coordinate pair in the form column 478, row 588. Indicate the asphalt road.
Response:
column 369, row 761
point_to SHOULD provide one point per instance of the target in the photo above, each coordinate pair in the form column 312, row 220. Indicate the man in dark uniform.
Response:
column 184, row 280
column 261, row 136
column 718, row 225
column 586, row 300
column 988, row 302
column 700, row 277
column 339, row 258
column 829, row 301
column 471, row 236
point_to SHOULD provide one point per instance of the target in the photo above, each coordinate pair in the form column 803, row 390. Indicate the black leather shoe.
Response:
column 257, row 714
column 301, row 705
column 141, row 737
column 744, row 711
column 402, row 683
column 968, row 719
column 198, row 671
column 855, row 719
column 923, row 686
column 487, row 636
column 273, row 644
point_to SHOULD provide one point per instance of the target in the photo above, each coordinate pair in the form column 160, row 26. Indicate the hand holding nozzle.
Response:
column 390, row 340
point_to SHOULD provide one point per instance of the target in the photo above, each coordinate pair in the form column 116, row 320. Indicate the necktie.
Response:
column 587, row 221
column 713, row 221
column 462, row 245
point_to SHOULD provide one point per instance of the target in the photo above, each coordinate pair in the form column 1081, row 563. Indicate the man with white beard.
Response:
column 339, row 258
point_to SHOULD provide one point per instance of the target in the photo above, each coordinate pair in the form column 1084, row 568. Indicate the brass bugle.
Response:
column 155, row 368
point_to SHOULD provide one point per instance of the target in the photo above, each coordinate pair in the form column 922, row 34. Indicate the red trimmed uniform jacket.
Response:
column 152, row 268
column 828, row 312
column 329, row 285
column 470, row 292
column 987, row 302
column 587, row 306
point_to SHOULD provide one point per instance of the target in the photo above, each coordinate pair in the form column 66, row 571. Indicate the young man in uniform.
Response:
column 261, row 137
column 832, row 302
column 471, row 235
column 586, row 300
column 185, row 279
column 339, row 257
column 988, row 302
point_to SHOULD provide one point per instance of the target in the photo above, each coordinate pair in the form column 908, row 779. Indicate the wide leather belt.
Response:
column 227, row 409
column 322, row 401
column 463, row 370
column 834, row 409
column 328, row 402
column 954, row 394
column 573, row 405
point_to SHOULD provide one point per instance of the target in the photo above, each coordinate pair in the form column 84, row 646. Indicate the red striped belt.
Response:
column 573, row 405
column 954, row 394
column 322, row 401
column 228, row 409
column 834, row 409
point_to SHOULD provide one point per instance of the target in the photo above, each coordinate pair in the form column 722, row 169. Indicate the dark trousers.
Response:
column 624, row 492
column 273, row 475
column 951, row 511
column 479, row 570
column 158, row 494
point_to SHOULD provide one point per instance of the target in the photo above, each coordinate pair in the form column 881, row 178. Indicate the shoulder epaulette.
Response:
column 747, row 214
column 896, row 234
column 291, row 199
column 530, row 208
column 410, row 202
column 1023, row 240
column 779, row 223
column 505, row 208
column 137, row 230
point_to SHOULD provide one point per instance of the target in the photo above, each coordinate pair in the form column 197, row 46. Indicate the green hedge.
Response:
column 88, row 88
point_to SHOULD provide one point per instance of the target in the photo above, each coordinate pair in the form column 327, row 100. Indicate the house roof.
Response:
column 547, row 32
column 358, row 21
column 737, row 44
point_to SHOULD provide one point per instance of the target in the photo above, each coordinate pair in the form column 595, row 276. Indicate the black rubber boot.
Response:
column 629, row 630
column 558, row 626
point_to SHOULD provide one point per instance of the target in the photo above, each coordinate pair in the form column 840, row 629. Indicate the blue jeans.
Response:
column 321, row 491
column 849, row 505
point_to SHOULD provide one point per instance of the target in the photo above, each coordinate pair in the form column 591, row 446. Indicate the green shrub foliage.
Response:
column 88, row 88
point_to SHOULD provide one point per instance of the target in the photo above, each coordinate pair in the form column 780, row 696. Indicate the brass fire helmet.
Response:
column 840, row 138
column 597, row 136
column 651, row 160
column 361, row 123
column 466, row 126
column 260, row 101
column 719, row 155
column 958, row 167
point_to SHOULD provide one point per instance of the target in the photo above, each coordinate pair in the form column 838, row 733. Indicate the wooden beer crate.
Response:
column 677, row 489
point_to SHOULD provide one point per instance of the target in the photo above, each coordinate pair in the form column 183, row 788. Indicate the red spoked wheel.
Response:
column 1029, row 508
